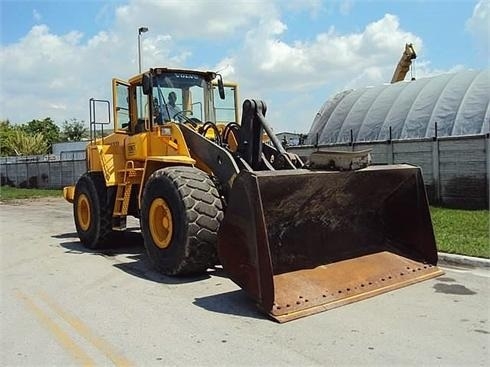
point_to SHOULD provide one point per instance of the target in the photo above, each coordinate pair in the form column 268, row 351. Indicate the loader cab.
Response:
column 168, row 95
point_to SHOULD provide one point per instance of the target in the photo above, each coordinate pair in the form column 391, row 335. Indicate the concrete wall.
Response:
column 37, row 172
column 456, row 170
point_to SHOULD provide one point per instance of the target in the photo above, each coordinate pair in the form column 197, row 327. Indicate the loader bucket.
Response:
column 300, row 242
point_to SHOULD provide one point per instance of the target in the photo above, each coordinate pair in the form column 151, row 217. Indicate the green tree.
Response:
column 20, row 142
column 74, row 130
column 47, row 128
column 6, row 130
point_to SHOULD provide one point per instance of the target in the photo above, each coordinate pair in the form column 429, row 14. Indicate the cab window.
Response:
column 225, row 108
column 122, row 106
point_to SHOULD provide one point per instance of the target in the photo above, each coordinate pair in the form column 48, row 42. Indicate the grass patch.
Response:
column 464, row 232
column 13, row 193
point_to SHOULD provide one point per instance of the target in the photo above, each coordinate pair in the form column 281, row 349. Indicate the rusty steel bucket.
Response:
column 300, row 242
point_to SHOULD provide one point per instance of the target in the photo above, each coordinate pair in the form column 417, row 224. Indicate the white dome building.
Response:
column 458, row 103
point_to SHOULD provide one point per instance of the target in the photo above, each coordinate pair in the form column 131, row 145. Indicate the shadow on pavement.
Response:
column 231, row 303
column 142, row 268
column 133, row 259
column 66, row 235
column 128, row 255
column 127, row 242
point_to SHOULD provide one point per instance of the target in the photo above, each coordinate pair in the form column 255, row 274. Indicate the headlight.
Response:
column 165, row 131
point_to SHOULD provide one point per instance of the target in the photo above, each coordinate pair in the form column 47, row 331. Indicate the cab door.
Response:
column 226, row 110
column 121, row 110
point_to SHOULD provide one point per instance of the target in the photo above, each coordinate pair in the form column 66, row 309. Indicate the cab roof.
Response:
column 208, row 75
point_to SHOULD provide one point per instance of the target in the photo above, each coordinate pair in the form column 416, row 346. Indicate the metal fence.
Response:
column 456, row 170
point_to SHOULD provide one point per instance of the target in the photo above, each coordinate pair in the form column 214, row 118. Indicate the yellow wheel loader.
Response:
column 298, row 238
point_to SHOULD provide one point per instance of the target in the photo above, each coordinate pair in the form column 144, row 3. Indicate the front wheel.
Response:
column 181, row 212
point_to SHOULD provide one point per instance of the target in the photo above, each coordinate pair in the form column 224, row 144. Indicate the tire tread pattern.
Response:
column 106, row 208
column 204, row 212
column 93, row 184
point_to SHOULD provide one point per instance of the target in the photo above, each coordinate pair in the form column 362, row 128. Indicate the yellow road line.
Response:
column 89, row 335
column 63, row 338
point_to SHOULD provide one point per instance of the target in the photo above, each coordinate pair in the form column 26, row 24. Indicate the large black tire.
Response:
column 92, row 210
column 181, row 212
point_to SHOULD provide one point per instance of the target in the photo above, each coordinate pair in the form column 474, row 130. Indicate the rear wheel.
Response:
column 181, row 212
column 92, row 211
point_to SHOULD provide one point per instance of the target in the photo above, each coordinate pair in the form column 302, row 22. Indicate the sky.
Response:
column 292, row 54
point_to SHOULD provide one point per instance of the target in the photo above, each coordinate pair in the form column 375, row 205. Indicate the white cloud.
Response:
column 479, row 26
column 314, row 7
column 46, row 71
column 327, row 60
column 36, row 15
column 294, row 77
column 58, row 107
column 346, row 6
column 225, row 67
column 187, row 19
column 43, row 70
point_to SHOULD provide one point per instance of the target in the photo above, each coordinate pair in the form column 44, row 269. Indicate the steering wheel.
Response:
column 193, row 121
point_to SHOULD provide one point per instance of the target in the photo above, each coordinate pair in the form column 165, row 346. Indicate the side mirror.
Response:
column 221, row 88
column 147, row 84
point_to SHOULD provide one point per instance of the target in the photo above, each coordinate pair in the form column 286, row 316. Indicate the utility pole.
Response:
column 141, row 30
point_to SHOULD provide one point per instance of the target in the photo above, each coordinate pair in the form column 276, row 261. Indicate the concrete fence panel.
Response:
column 42, row 173
column 463, row 176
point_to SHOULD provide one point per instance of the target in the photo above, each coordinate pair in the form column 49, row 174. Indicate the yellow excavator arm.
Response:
column 404, row 63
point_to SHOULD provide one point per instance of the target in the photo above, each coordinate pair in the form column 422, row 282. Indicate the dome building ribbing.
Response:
column 457, row 103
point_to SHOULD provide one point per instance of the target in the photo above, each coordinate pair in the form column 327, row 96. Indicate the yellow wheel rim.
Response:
column 160, row 220
column 83, row 212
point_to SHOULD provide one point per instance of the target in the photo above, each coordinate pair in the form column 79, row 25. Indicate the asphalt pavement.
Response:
column 64, row 305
